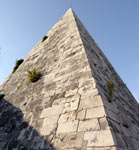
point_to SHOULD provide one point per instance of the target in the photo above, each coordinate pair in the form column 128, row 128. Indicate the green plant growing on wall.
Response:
column 125, row 125
column 2, row 96
column 73, row 53
column 33, row 75
column 110, row 90
column 17, row 64
column 44, row 38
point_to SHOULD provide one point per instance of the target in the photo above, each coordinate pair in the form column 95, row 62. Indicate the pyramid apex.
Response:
column 70, row 10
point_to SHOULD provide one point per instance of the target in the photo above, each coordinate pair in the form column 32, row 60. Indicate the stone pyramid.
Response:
column 80, row 102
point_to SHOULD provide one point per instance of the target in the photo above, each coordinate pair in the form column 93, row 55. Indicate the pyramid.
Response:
column 79, row 103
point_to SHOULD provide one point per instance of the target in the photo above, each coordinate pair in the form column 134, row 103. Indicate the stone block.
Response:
column 104, row 123
column 87, row 88
column 65, row 141
column 119, row 140
column 59, row 101
column 112, row 115
column 83, row 82
column 66, row 127
column 72, row 98
column 47, row 130
column 115, row 126
column 74, row 105
column 67, row 117
column 54, row 110
column 99, row 138
column 90, row 102
column 22, row 135
column 79, row 139
column 95, row 112
column 50, row 120
column 89, row 125
column 81, row 115
column 71, row 92
column 102, row 148
column 91, row 93
column 71, row 106
column 67, row 105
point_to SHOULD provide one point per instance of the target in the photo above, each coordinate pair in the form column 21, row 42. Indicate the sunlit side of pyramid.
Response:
column 80, row 103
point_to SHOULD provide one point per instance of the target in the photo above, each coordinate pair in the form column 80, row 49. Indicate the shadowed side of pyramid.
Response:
column 70, row 105
column 16, row 133
column 122, row 110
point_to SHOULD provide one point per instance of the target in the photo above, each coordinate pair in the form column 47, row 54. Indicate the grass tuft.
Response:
column 17, row 64
column 33, row 75
column 44, row 38
column 110, row 89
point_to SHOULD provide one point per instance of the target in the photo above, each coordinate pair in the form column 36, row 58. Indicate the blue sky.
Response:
column 114, row 24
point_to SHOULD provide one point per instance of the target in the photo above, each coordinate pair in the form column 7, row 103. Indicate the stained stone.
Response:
column 65, row 127
column 99, row 138
column 65, row 140
column 89, row 125
column 70, row 116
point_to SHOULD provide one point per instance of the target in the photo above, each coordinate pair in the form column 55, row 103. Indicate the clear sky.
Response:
column 114, row 24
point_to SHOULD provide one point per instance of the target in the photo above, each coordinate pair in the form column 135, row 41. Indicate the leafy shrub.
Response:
column 1, row 96
column 110, row 89
column 44, row 38
column 17, row 64
column 33, row 75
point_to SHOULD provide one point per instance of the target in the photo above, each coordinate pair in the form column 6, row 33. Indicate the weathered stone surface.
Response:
column 83, row 82
column 71, row 93
column 81, row 115
column 70, row 116
column 74, row 105
column 59, row 101
column 65, row 127
column 73, row 98
column 71, row 106
column 95, row 112
column 99, row 138
column 89, row 125
column 79, row 139
column 69, row 99
column 119, row 140
column 103, row 148
column 50, row 120
column 48, row 129
column 55, row 110
column 89, row 93
column 64, row 140
column 90, row 102
column 104, row 124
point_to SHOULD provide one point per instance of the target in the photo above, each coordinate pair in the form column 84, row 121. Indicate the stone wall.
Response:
column 123, row 112
column 68, row 108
